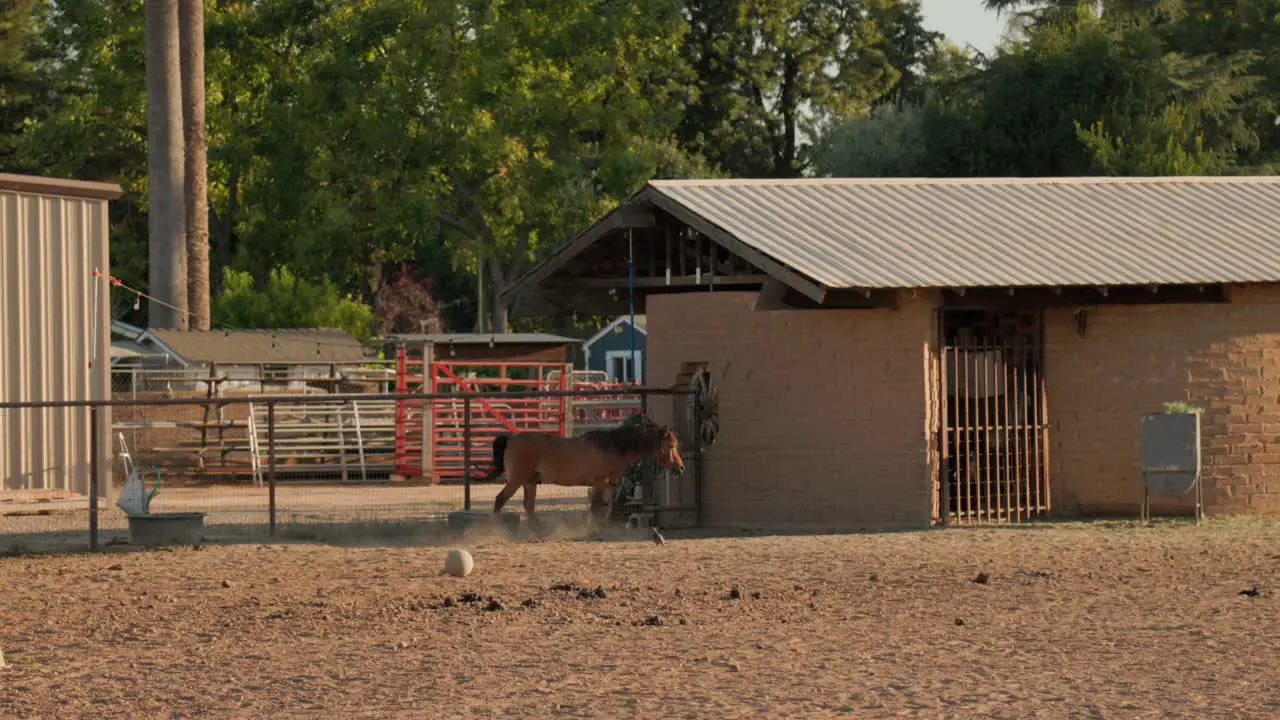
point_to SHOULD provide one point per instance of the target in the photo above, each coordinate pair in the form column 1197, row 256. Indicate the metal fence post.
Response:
column 697, row 458
column 466, row 453
column 94, row 470
column 271, row 467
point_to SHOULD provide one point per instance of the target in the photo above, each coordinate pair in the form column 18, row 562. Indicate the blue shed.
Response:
column 609, row 350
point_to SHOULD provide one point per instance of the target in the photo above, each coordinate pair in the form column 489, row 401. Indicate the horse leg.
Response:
column 611, row 498
column 598, row 502
column 518, row 475
column 504, row 495
column 530, row 498
column 513, row 483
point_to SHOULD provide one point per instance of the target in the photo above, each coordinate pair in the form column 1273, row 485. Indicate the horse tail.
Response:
column 499, row 453
column 499, row 458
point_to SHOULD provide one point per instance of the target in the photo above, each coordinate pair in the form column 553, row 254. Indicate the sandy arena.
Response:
column 1093, row 621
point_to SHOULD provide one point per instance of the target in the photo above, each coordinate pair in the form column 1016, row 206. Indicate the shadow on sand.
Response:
column 483, row 530
column 556, row 526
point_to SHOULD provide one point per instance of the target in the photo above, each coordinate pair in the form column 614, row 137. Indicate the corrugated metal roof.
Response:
column 283, row 345
column 1000, row 232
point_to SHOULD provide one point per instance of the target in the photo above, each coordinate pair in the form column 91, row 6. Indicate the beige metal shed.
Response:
column 55, row 329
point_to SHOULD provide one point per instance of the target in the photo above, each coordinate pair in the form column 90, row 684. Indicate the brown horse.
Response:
column 595, row 459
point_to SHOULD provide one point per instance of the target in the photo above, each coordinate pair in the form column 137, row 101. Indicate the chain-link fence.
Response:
column 258, row 465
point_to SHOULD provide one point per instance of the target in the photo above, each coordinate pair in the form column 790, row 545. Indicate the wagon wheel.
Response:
column 708, row 396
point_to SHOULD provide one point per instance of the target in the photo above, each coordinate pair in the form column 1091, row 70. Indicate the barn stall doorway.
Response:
column 995, row 444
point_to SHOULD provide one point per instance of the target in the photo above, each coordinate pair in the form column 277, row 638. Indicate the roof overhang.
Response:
column 862, row 242
column 775, row 269
column 646, row 210
column 59, row 187
column 486, row 339
column 634, row 212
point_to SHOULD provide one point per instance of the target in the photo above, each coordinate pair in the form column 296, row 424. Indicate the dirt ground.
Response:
column 1105, row 620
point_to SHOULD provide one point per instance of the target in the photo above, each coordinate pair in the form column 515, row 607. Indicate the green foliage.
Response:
column 888, row 143
column 552, row 115
column 286, row 301
column 1163, row 145
column 22, row 95
column 771, row 74
column 1084, row 94
column 1182, row 408
column 346, row 139
column 1022, row 114
column 891, row 140
column 465, row 139
column 1247, row 36
column 93, row 58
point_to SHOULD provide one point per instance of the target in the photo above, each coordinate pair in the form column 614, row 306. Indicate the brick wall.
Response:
column 824, row 415
column 1223, row 358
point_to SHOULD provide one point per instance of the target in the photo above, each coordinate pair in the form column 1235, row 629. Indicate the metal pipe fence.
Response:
column 288, row 464
column 243, row 378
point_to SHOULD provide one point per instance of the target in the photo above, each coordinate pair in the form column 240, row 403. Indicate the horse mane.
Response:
column 643, row 437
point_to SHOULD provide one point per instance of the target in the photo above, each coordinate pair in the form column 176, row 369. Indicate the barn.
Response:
column 896, row 353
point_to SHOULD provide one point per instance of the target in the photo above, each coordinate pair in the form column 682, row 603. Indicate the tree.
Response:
column 287, row 301
column 559, row 115
column 892, row 140
column 21, row 94
column 917, row 56
column 93, row 123
column 166, row 168
column 259, row 59
column 264, row 123
column 771, row 73
column 1249, row 33
column 1112, row 93
column 1031, row 15
column 405, row 306
column 195, row 152
column 466, row 135
column 1082, row 98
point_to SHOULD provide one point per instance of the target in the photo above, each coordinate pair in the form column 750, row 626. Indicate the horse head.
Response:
column 649, row 439
column 668, row 452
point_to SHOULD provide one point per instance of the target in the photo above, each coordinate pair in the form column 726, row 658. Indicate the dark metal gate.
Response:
column 995, row 433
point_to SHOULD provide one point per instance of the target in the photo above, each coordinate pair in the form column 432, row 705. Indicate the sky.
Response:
column 964, row 22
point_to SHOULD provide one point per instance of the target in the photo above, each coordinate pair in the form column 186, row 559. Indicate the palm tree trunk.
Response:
column 165, row 168
column 196, row 146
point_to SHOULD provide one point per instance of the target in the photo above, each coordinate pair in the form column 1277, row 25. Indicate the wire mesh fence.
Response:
column 260, row 465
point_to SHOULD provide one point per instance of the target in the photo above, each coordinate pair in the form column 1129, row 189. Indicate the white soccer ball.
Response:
column 458, row 563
